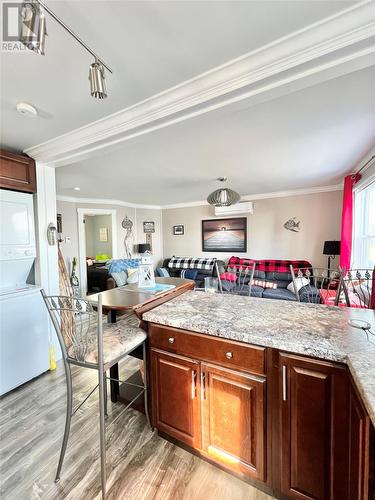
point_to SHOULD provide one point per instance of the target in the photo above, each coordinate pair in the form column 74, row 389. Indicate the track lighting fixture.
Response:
column 33, row 33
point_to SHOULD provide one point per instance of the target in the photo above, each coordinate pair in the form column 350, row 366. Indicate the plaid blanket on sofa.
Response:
column 268, row 265
column 192, row 263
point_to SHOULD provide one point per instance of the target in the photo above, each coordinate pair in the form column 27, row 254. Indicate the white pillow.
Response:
column 133, row 275
column 300, row 283
column 120, row 278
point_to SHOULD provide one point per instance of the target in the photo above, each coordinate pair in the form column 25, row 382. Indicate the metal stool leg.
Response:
column 105, row 395
column 68, row 418
column 102, row 431
column 145, row 383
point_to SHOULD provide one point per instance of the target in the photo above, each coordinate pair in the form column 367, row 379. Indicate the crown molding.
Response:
column 104, row 201
column 249, row 197
column 335, row 44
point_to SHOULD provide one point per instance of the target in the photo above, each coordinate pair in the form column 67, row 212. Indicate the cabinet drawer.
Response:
column 202, row 347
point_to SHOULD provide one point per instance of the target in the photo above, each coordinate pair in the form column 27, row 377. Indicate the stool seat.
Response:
column 118, row 339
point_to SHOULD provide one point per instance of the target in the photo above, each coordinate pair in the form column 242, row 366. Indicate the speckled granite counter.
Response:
column 314, row 330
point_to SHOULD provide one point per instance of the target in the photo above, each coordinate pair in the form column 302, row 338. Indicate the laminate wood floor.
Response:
column 140, row 464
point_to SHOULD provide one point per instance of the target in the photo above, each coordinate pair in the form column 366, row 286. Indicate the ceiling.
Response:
column 304, row 139
column 151, row 46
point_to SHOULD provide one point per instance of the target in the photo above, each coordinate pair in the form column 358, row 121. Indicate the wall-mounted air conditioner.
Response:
column 245, row 207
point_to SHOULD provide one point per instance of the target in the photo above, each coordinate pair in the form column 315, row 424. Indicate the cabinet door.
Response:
column 17, row 172
column 176, row 402
column 233, row 430
column 314, row 434
column 359, row 435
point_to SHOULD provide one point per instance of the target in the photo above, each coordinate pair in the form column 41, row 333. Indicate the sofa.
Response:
column 276, row 272
column 200, row 275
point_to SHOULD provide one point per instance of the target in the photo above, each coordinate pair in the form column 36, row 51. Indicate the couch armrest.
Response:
column 111, row 283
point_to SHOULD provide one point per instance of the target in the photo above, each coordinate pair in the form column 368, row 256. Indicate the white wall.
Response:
column 320, row 216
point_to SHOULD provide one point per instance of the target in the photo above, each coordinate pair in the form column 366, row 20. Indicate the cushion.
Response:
column 279, row 276
column 228, row 276
column 162, row 272
column 260, row 283
column 279, row 293
column 189, row 274
column 256, row 291
column 116, row 265
column 300, row 282
column 270, row 284
column 120, row 278
column 133, row 275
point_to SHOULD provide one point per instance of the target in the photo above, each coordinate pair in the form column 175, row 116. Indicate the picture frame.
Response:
column 224, row 235
column 103, row 234
column 179, row 230
column 148, row 227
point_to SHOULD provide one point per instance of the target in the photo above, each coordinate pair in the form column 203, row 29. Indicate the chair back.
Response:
column 357, row 289
column 316, row 285
column 238, row 281
column 75, row 321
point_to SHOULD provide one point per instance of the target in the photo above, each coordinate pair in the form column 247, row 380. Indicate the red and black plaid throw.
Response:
column 270, row 265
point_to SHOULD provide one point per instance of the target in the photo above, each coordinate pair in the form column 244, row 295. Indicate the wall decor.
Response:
column 149, row 227
column 127, row 224
column 224, row 235
column 293, row 225
column 103, row 234
column 178, row 230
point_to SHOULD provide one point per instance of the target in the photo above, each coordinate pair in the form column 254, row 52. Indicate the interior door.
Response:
column 234, row 420
column 176, row 403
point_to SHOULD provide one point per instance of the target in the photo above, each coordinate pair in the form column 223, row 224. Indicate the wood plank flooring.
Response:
column 140, row 464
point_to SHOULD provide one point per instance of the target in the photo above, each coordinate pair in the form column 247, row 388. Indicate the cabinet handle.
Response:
column 229, row 355
column 171, row 340
column 284, row 383
column 203, row 386
column 193, row 384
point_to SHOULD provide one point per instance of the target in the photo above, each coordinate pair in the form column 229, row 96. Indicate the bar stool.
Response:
column 85, row 342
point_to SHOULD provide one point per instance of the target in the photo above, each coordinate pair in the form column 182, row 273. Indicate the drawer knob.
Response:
column 229, row 355
column 171, row 340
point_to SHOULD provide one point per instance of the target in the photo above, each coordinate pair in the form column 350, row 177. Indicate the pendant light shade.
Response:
column 223, row 197
column 33, row 27
column 97, row 81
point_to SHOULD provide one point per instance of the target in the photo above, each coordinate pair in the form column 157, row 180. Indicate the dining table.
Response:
column 140, row 300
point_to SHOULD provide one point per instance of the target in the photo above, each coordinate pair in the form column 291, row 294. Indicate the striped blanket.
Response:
column 192, row 263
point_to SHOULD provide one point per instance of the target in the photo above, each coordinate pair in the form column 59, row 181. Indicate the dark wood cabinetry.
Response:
column 314, row 429
column 233, row 430
column 17, row 172
column 176, row 401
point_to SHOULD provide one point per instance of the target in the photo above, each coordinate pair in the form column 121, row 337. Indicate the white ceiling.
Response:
column 304, row 139
column 151, row 45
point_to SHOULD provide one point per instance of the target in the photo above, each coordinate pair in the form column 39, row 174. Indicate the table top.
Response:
column 120, row 299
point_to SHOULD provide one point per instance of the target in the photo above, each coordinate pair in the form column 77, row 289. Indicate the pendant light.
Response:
column 33, row 27
column 33, row 33
column 223, row 197
column 97, row 80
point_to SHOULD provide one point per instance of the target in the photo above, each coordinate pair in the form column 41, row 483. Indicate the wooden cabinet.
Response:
column 314, row 429
column 359, row 457
column 17, row 172
column 233, row 430
column 176, row 396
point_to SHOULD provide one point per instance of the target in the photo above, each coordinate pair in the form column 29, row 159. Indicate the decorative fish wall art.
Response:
column 292, row 225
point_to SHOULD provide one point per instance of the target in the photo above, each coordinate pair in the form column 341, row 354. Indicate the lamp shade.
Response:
column 331, row 247
column 144, row 247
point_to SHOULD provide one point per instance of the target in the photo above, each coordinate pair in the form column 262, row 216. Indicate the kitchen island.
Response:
column 279, row 392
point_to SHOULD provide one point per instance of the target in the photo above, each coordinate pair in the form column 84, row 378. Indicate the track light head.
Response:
column 33, row 27
column 97, row 80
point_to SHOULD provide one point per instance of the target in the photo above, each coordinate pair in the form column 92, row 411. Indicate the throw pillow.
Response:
column 300, row 283
column 189, row 274
column 260, row 283
column 162, row 272
column 120, row 278
column 269, row 284
column 133, row 275
column 228, row 276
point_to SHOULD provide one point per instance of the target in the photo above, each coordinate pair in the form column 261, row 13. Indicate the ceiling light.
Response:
column 33, row 34
column 25, row 109
column 223, row 197
column 77, row 188
column 97, row 80
column 33, row 27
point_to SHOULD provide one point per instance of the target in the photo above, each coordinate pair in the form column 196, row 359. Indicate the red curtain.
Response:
column 347, row 221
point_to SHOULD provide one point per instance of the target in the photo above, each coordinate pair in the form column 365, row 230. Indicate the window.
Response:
column 364, row 228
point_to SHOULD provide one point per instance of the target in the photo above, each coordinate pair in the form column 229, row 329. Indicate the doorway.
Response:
column 97, row 236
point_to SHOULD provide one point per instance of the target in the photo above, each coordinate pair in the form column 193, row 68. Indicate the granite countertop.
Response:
column 313, row 330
